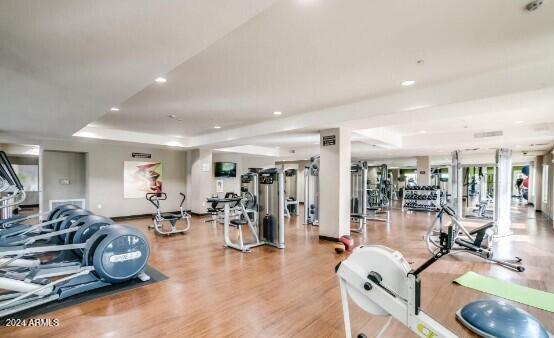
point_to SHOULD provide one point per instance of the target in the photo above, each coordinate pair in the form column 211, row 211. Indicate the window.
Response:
column 28, row 175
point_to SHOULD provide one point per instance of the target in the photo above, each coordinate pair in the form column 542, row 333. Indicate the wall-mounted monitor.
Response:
column 225, row 169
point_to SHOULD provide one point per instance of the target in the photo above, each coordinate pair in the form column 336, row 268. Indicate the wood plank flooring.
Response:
column 294, row 292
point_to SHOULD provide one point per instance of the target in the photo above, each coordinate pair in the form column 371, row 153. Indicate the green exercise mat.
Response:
column 521, row 294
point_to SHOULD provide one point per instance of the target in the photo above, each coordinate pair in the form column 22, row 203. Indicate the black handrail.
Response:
column 9, row 171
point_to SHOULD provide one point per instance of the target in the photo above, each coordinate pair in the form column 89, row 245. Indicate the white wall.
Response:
column 104, row 172
column 63, row 176
column 230, row 184
column 257, row 162
column 200, row 179
column 243, row 163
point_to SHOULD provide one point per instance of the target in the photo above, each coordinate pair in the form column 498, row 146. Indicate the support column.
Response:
column 503, row 192
column 394, row 183
column 531, row 184
column 483, row 191
column 456, row 182
column 423, row 170
column 537, row 183
column 334, row 181
column 200, row 179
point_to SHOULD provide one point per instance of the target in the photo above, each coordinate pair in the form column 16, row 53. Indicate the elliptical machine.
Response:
column 172, row 218
column 477, row 242
column 114, row 254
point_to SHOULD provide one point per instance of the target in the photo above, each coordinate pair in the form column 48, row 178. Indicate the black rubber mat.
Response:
column 155, row 277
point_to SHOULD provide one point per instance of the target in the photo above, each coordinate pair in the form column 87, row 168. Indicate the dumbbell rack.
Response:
column 416, row 204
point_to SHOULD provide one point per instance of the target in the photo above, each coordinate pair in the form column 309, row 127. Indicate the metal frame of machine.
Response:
column 160, row 218
column 381, row 282
column 267, row 209
column 359, row 206
column 311, row 192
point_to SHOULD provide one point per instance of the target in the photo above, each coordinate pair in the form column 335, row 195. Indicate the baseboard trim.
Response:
column 131, row 217
column 329, row 239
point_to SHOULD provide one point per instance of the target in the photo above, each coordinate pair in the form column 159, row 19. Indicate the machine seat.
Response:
column 170, row 216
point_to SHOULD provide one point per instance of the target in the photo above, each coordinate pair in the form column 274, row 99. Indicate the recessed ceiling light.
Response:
column 423, row 131
column 174, row 117
column 408, row 83
column 114, row 109
column 277, row 113
column 519, row 121
column 217, row 127
column 173, row 144
column 160, row 79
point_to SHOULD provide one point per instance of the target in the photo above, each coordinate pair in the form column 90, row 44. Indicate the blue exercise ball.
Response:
column 494, row 318
column 525, row 170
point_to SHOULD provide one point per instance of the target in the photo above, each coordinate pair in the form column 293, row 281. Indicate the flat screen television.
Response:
column 225, row 169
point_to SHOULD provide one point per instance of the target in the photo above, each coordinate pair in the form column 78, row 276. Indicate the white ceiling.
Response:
column 64, row 63
column 323, row 63
column 297, row 57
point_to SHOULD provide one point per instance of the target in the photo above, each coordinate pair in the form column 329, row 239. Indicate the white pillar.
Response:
column 537, row 183
column 483, row 191
column 200, row 179
column 503, row 192
column 334, row 180
column 423, row 170
column 456, row 182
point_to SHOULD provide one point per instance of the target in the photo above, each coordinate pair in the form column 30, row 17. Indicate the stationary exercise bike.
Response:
column 160, row 218
column 477, row 242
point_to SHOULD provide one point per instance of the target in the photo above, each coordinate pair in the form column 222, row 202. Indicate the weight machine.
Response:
column 311, row 192
column 360, row 209
column 499, row 203
column 291, row 192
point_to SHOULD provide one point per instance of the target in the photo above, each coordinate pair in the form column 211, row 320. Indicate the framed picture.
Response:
column 140, row 178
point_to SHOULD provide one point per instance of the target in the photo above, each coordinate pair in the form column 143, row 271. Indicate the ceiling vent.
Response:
column 471, row 149
column 488, row 134
column 542, row 127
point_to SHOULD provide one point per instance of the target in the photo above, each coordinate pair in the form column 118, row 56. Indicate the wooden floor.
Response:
column 212, row 291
